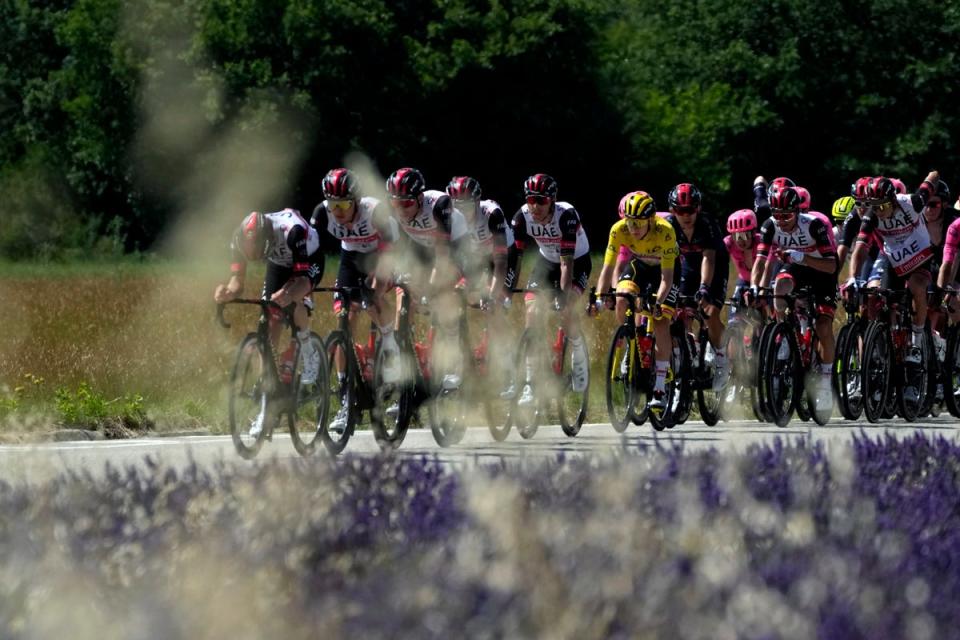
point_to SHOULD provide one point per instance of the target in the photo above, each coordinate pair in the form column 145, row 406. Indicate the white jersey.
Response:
column 364, row 234
column 436, row 219
column 562, row 232
column 488, row 221
column 811, row 235
column 280, row 224
column 906, row 241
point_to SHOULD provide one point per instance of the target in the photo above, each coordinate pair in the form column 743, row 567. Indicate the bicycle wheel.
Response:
column 311, row 402
column 708, row 400
column 782, row 382
column 934, row 402
column 760, row 405
column 684, row 397
column 529, row 370
column 951, row 373
column 847, row 371
column 495, row 386
column 392, row 407
column 448, row 406
column 572, row 404
column 248, row 405
column 341, row 392
column 622, row 361
column 812, row 384
column 913, row 383
column 677, row 387
column 876, row 365
column 734, row 347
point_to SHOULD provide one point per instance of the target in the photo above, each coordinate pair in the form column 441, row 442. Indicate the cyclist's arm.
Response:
column 497, row 224
column 707, row 266
column 951, row 244
column 569, row 224
column 299, row 283
column 515, row 251
column 666, row 283
column 822, row 236
column 867, row 226
column 762, row 265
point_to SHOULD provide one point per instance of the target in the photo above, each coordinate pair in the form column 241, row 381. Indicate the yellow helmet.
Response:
column 842, row 207
column 639, row 205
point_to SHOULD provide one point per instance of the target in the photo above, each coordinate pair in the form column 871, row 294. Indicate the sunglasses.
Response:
column 934, row 205
column 882, row 206
column 532, row 200
column 861, row 204
column 340, row 204
column 783, row 214
column 402, row 203
column 685, row 211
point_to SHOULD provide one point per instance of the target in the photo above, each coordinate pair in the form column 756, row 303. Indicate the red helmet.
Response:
column 859, row 188
column 540, row 184
column 684, row 196
column 786, row 199
column 406, row 183
column 251, row 238
column 898, row 183
column 464, row 188
column 341, row 184
column 881, row 189
column 804, row 198
column 742, row 220
column 779, row 183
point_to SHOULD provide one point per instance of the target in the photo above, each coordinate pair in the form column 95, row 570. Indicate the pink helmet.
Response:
column 623, row 203
column 742, row 220
column 898, row 183
column 804, row 198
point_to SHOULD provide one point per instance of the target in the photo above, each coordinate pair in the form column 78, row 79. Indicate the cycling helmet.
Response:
column 251, row 238
column 842, row 208
column 779, row 183
column 881, row 189
column 898, row 183
column 405, row 183
column 742, row 220
column 804, row 198
column 639, row 205
column 464, row 188
column 859, row 188
column 623, row 203
column 943, row 191
column 341, row 184
column 684, row 196
column 786, row 199
column 540, row 184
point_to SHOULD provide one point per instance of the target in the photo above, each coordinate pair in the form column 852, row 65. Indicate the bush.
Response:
column 88, row 409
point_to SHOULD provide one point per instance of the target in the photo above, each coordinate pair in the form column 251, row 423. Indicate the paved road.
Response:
column 33, row 463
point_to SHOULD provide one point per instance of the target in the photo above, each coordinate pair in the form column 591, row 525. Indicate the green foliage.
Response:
column 87, row 408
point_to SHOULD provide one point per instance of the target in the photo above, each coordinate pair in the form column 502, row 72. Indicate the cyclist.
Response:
column 434, row 231
column 290, row 247
column 907, row 252
column 365, row 231
column 842, row 208
column 704, row 262
column 946, row 278
column 807, row 257
column 652, row 242
column 741, row 244
column 562, row 263
column 625, row 254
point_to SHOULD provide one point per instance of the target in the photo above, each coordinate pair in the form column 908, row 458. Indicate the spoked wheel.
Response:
column 875, row 371
column 622, row 361
column 951, row 372
column 683, row 402
column 812, row 388
column 249, row 408
column 760, row 405
column 571, row 402
column 495, row 386
column 677, row 386
column 393, row 401
column 913, row 383
column 448, row 404
column 341, row 393
column 708, row 399
column 310, row 406
column 848, row 371
column 934, row 401
column 782, row 382
column 738, row 385
column 528, row 371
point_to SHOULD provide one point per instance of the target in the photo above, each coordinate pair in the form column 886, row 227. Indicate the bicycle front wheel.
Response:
column 708, row 399
column 951, row 372
column 782, row 382
column 341, row 393
column 875, row 370
column 525, row 411
column 572, row 399
column 622, row 363
column 309, row 403
column 448, row 403
column 248, row 405
column 848, row 371
column 913, row 382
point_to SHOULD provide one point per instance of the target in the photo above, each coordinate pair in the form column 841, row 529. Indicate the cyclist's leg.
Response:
column 917, row 281
column 542, row 276
column 716, row 296
column 783, row 285
column 571, row 321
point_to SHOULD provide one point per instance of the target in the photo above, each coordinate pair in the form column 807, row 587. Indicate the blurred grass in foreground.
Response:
column 146, row 328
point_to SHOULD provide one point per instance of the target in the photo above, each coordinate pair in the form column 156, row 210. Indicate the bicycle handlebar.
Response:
column 263, row 304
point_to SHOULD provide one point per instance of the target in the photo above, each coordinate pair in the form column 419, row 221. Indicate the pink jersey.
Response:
column 742, row 258
column 952, row 244
column 625, row 254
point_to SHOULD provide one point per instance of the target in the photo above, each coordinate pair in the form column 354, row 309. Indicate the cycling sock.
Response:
column 661, row 382
column 826, row 368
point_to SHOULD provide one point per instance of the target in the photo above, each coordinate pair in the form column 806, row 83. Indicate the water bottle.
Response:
column 646, row 349
column 286, row 362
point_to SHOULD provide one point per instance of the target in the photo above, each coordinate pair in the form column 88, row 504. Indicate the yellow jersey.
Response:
column 658, row 245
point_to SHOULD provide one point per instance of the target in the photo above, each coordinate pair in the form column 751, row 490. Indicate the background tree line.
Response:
column 109, row 108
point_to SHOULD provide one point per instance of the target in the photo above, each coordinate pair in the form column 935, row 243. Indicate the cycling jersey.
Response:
column 561, row 235
column 436, row 219
column 851, row 230
column 906, row 242
column 490, row 234
column 705, row 236
column 946, row 219
column 951, row 244
column 625, row 254
column 810, row 235
column 371, row 228
column 657, row 247
column 292, row 243
column 742, row 258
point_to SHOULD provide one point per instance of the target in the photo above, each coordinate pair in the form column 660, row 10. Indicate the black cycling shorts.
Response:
column 646, row 277
column 278, row 275
column 548, row 273
column 823, row 285
column 690, row 279
column 355, row 268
